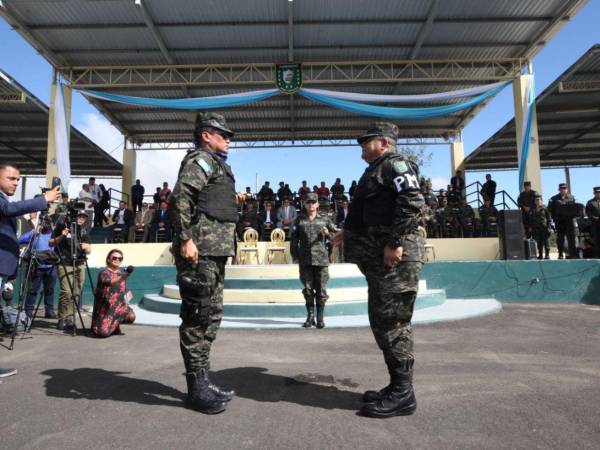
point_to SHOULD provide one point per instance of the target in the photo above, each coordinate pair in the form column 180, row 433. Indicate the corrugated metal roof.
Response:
column 568, row 125
column 24, row 138
column 114, row 32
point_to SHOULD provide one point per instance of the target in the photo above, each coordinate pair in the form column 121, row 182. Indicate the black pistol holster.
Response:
column 196, row 293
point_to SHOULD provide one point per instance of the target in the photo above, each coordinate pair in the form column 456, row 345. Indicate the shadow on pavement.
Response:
column 256, row 384
column 100, row 384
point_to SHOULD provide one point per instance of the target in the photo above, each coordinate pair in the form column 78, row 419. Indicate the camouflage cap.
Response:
column 384, row 129
column 212, row 120
column 311, row 197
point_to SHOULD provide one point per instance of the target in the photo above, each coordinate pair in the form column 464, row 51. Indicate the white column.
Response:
column 129, row 160
column 457, row 157
column 532, row 164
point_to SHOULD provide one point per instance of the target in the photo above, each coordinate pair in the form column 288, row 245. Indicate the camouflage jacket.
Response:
column 212, row 237
column 540, row 218
column 395, row 180
column 307, row 240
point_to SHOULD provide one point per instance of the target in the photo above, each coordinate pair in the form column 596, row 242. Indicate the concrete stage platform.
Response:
column 521, row 379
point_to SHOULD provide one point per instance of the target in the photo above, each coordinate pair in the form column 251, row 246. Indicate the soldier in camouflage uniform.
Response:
column 540, row 227
column 307, row 246
column 380, row 235
column 205, row 215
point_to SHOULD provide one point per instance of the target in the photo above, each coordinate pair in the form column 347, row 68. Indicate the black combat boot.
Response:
column 224, row 393
column 320, row 309
column 200, row 397
column 547, row 253
column 310, row 316
column 399, row 399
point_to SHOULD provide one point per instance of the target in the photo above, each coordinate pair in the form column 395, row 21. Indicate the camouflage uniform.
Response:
column 307, row 245
column 201, row 307
column 540, row 229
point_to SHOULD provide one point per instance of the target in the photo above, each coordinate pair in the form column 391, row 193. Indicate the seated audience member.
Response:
column 323, row 191
column 123, row 219
column 488, row 215
column 41, row 274
column 337, row 190
column 431, row 225
column 458, row 183
column 142, row 223
column 342, row 213
column 352, row 189
column 441, row 196
column 448, row 220
column 249, row 219
column 165, row 192
column 268, row 219
column 453, row 197
column 286, row 216
column 467, row 219
column 111, row 297
column 161, row 221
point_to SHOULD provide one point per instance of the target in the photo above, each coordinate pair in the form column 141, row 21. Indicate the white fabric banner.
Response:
column 417, row 98
column 61, row 139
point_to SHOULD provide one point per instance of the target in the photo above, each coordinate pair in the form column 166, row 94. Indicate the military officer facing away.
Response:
column 205, row 216
column 307, row 246
column 380, row 235
column 592, row 209
column 563, row 219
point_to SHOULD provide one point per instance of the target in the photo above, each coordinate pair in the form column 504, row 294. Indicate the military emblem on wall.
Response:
column 289, row 77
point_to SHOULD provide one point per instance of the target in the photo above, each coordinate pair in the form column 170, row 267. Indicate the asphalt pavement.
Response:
column 528, row 377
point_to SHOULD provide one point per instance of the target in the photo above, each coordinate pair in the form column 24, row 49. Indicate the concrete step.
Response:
column 335, row 307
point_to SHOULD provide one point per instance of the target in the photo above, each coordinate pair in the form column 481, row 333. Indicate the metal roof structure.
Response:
column 24, row 136
column 568, row 115
column 177, row 49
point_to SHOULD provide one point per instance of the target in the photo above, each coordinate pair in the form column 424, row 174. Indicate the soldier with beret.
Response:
column 541, row 223
column 592, row 210
column 563, row 217
column 380, row 235
column 310, row 231
column 204, row 205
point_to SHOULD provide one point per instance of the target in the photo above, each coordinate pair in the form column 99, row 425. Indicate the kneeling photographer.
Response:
column 72, row 243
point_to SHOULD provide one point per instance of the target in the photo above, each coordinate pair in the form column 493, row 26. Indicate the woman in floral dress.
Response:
column 110, row 298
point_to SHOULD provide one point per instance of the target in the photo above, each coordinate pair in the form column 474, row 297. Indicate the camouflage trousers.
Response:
column 201, row 308
column 314, row 279
column 392, row 295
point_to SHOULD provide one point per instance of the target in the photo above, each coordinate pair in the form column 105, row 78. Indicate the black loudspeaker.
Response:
column 511, row 234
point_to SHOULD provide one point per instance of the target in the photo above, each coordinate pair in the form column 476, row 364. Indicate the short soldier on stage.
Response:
column 307, row 246
column 592, row 210
column 540, row 227
column 205, row 212
column 380, row 235
column 563, row 215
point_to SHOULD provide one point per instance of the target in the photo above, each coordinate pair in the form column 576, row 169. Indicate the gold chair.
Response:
column 429, row 248
column 277, row 244
column 249, row 246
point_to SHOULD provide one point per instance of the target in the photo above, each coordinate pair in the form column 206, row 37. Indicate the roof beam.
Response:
column 41, row 163
column 579, row 135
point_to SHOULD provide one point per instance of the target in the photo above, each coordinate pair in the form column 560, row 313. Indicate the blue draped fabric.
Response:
column 221, row 101
column 525, row 143
column 396, row 113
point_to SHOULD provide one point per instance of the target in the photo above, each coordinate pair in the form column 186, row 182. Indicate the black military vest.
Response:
column 217, row 198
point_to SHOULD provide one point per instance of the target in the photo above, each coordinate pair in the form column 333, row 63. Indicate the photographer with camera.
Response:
column 72, row 243
column 41, row 273
column 111, row 297
column 9, row 211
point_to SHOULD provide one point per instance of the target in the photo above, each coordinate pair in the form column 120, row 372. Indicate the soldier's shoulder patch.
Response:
column 399, row 166
column 205, row 166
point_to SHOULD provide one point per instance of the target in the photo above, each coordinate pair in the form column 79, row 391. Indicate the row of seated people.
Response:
column 446, row 221
column 148, row 225
column 283, row 217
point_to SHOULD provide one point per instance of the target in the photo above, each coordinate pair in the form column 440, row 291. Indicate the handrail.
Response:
column 123, row 196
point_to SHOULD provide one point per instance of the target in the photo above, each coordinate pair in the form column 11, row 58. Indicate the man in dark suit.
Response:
column 342, row 213
column 123, row 218
column 137, row 196
column 267, row 219
column 458, row 183
column 9, row 211
column 488, row 189
column 162, row 220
